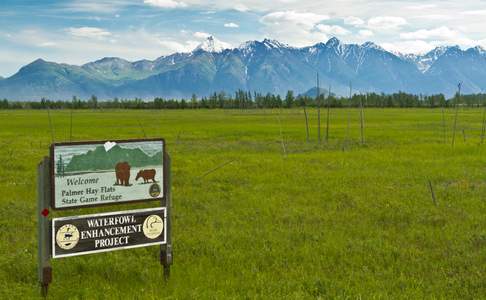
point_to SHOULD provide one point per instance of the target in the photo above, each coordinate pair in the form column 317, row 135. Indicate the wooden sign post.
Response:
column 43, row 225
column 89, row 174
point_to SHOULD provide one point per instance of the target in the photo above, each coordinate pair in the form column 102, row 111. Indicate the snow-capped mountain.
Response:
column 212, row 44
column 261, row 66
column 424, row 62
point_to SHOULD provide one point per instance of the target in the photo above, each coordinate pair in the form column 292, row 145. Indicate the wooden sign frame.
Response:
column 45, row 204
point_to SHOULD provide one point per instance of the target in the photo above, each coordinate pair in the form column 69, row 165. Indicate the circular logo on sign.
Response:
column 67, row 236
column 153, row 226
column 154, row 190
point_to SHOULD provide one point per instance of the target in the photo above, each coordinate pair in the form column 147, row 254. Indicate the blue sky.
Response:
column 79, row 31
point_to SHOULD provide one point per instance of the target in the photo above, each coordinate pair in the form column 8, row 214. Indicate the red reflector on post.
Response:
column 45, row 212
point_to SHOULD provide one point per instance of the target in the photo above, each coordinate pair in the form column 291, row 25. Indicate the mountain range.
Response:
column 261, row 66
column 100, row 159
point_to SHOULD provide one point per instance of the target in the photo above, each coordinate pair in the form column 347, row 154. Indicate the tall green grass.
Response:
column 314, row 222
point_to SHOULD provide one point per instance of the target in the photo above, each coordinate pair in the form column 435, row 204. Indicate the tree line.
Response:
column 248, row 100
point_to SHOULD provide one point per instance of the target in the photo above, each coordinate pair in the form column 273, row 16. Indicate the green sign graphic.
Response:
column 86, row 174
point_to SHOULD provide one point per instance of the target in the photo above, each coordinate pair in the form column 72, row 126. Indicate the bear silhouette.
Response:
column 122, row 171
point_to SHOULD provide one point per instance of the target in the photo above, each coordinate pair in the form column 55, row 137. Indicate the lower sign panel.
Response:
column 87, row 234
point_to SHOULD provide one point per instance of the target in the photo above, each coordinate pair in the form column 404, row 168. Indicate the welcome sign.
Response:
column 87, row 234
column 96, row 173
column 82, row 174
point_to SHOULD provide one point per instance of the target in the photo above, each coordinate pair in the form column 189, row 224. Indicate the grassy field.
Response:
column 336, row 220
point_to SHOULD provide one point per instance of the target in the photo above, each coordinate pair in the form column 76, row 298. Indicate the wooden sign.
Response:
column 81, row 174
column 94, row 233
column 106, row 172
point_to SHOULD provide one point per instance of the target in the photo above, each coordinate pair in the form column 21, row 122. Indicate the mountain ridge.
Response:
column 261, row 66
column 100, row 159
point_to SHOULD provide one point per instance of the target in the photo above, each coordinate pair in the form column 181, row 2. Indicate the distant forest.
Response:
column 247, row 100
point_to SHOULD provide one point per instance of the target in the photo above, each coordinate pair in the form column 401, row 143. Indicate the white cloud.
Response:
column 231, row 25
column 31, row 38
column 482, row 43
column 174, row 46
column 353, row 21
column 462, row 41
column 406, row 47
column 307, row 20
column 481, row 12
column 386, row 22
column 365, row 33
column 421, row 6
column 71, row 49
column 47, row 44
column 201, row 35
column 107, row 6
column 88, row 32
column 441, row 33
column 433, row 17
column 296, row 28
column 441, row 36
column 423, row 46
column 166, row 3
column 332, row 29
column 241, row 7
